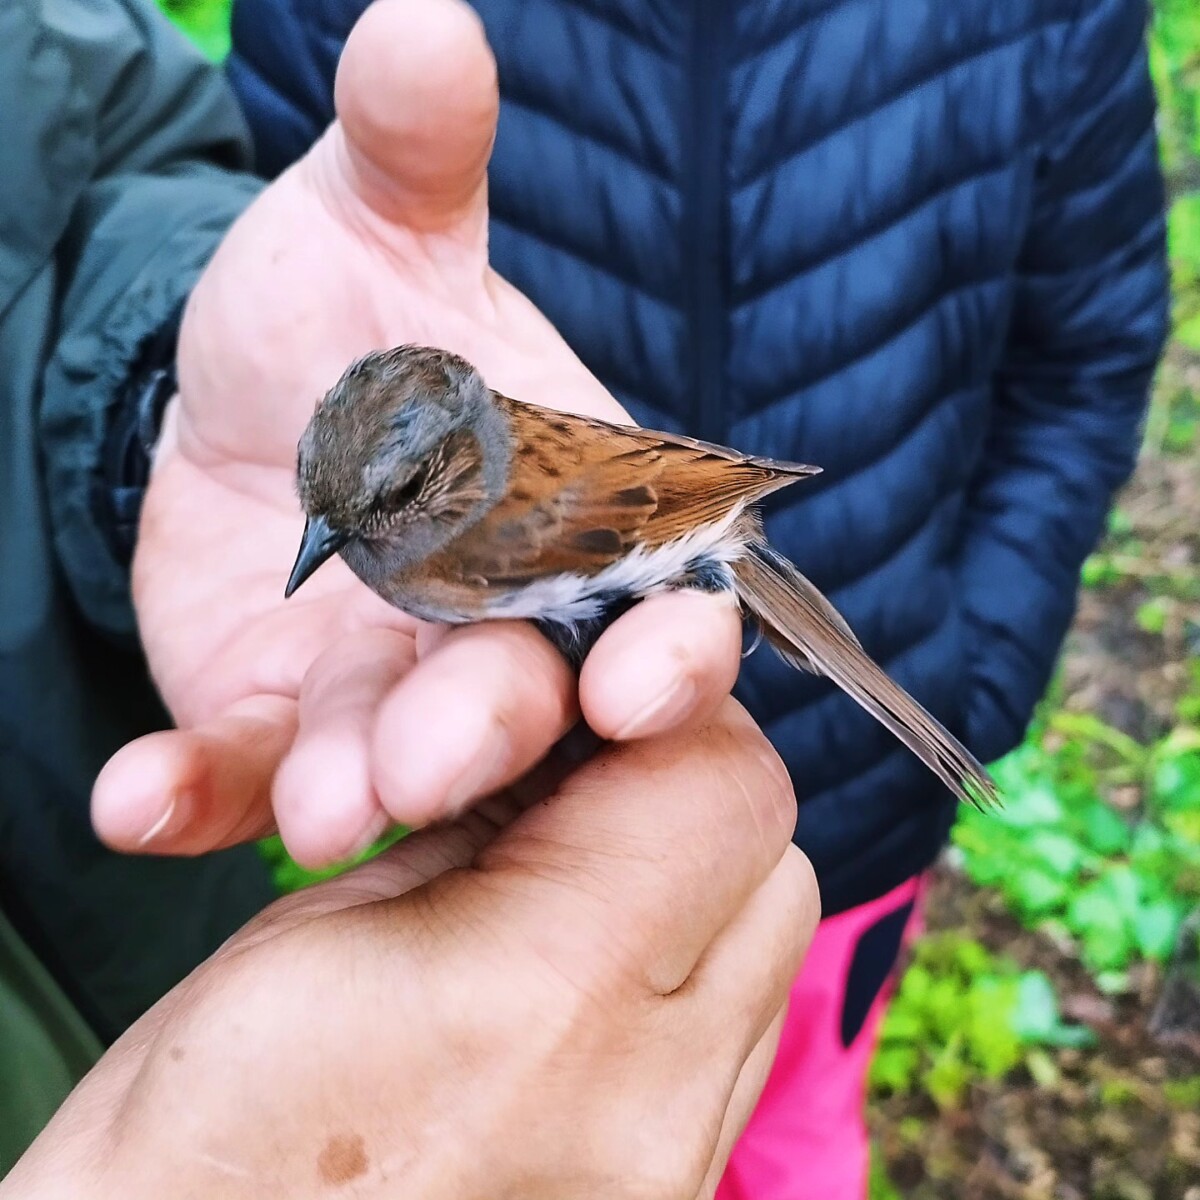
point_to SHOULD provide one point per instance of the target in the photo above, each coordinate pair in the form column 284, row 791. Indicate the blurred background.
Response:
column 1045, row 1042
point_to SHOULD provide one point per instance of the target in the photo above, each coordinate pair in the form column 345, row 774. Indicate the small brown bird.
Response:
column 457, row 504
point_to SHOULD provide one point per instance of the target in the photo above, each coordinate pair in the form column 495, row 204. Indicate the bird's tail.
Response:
column 809, row 633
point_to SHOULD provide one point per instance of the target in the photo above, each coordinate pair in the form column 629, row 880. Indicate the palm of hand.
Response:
column 330, row 713
column 310, row 279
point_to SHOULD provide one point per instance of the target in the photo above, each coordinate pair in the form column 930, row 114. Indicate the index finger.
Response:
column 648, row 851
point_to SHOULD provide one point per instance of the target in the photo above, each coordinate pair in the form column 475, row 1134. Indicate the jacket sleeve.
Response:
column 160, row 150
column 1088, row 324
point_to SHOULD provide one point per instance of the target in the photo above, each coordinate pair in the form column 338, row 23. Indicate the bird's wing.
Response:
column 582, row 493
column 809, row 633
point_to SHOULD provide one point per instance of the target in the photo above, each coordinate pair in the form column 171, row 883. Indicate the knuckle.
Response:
column 532, row 683
column 351, row 665
column 805, row 896
column 763, row 782
column 776, row 797
column 706, row 640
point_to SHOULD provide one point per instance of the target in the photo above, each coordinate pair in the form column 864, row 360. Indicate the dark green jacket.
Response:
column 121, row 165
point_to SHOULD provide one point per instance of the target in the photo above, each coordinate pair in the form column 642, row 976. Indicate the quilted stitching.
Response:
column 939, row 265
column 934, row 74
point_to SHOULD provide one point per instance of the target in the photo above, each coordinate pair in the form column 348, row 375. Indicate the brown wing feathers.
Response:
column 633, row 486
column 584, row 492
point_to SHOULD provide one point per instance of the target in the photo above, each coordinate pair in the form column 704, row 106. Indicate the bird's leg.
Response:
column 575, row 641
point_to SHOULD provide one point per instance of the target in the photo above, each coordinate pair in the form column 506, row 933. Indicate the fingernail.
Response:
column 371, row 834
column 661, row 712
column 483, row 768
column 175, row 805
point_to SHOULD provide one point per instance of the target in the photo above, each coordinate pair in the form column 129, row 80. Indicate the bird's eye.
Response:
column 409, row 491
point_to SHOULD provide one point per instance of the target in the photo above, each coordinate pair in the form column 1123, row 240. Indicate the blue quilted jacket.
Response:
column 917, row 243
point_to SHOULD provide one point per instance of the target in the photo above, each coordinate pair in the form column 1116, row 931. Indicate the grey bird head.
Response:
column 396, row 462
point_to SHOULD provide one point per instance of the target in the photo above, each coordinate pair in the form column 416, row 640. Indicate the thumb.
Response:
column 417, row 100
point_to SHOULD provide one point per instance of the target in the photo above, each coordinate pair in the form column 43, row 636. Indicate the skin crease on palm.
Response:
column 331, row 714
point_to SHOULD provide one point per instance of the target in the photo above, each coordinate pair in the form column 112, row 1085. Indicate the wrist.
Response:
column 132, row 435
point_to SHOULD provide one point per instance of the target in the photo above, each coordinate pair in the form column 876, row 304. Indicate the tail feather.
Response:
column 806, row 631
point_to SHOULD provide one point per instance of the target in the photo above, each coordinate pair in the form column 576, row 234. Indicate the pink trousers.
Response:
column 807, row 1139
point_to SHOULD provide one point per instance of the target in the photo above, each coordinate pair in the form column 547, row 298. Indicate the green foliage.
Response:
column 1183, row 1094
column 962, row 1014
column 1175, row 66
column 1063, row 858
column 289, row 876
column 1151, row 616
column 1184, row 242
column 206, row 22
column 1124, row 559
column 879, row 1186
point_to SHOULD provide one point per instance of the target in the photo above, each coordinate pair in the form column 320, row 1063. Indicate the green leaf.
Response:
column 901, row 1025
column 1151, row 617
column 894, row 1068
column 205, row 22
column 1098, row 917
column 943, row 1007
column 916, row 984
column 1149, row 842
column 1176, row 782
column 1098, row 572
column 1103, row 829
column 1042, row 1067
column 1155, row 928
column 1113, row 983
column 1036, row 1012
column 1037, row 805
column 1037, row 1020
column 1118, row 1090
column 1061, row 854
column 289, row 876
column 987, row 1028
column 1120, row 522
column 1107, row 949
column 1185, row 826
column 1037, row 892
column 950, row 1022
column 879, row 1186
column 947, row 1078
column 1094, row 908
column 971, row 958
column 1071, row 1037
column 1183, row 1093
column 1123, row 884
column 994, row 1048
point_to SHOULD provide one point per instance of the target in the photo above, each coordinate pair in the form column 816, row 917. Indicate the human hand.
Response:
column 588, row 1010
column 343, row 712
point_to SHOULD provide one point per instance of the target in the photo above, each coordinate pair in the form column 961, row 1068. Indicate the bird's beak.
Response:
column 318, row 543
